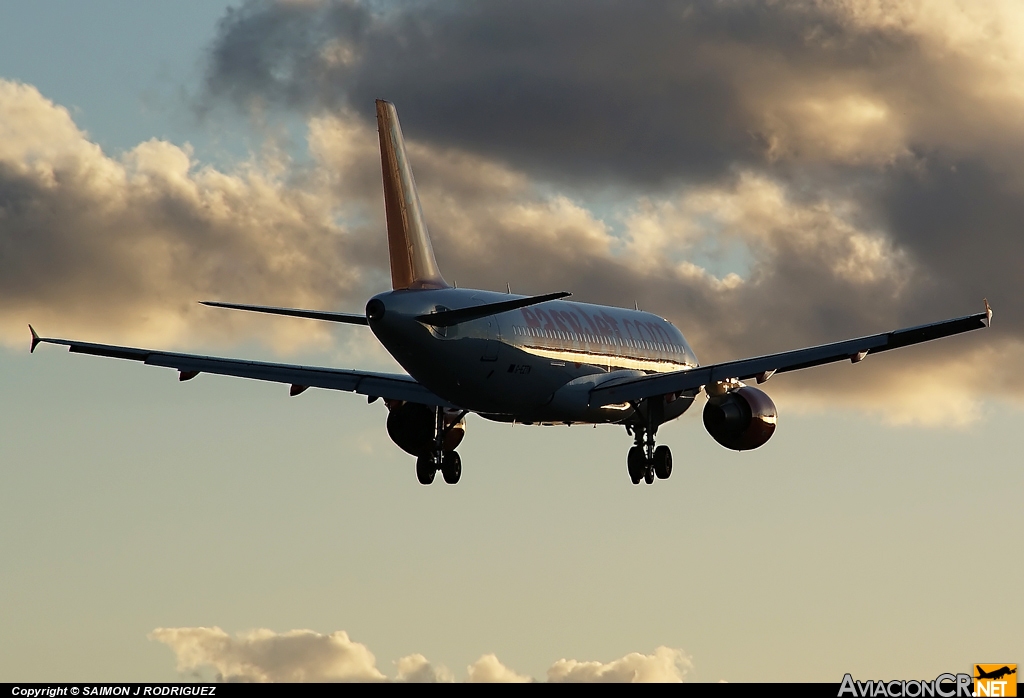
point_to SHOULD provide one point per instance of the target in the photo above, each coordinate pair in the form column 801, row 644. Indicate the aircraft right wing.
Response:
column 390, row 386
column 764, row 367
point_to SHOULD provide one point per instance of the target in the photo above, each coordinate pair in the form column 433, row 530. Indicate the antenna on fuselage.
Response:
column 635, row 306
column 508, row 287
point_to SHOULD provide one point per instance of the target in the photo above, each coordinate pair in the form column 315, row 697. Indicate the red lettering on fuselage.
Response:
column 547, row 320
column 612, row 324
column 556, row 316
column 603, row 327
column 573, row 322
column 593, row 328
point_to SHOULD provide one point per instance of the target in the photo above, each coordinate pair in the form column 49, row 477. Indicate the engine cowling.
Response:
column 411, row 427
column 742, row 419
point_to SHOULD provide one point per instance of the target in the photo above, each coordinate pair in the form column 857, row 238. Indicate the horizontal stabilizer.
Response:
column 447, row 318
column 293, row 312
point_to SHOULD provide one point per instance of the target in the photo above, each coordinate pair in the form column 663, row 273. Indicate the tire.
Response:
column 662, row 462
column 636, row 464
column 451, row 467
column 425, row 469
column 649, row 475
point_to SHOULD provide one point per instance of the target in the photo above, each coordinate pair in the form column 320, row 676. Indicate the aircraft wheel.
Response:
column 662, row 462
column 649, row 474
column 635, row 463
column 425, row 469
column 451, row 467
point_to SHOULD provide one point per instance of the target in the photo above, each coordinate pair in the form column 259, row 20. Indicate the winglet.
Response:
column 35, row 339
column 988, row 313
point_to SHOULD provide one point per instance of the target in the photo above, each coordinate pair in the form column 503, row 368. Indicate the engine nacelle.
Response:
column 742, row 419
column 411, row 427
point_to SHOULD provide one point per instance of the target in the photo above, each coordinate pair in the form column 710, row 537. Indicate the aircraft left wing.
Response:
column 764, row 367
column 390, row 386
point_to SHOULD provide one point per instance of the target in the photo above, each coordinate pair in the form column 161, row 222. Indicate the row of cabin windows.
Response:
column 595, row 339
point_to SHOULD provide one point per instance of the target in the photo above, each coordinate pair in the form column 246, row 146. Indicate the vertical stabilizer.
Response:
column 412, row 258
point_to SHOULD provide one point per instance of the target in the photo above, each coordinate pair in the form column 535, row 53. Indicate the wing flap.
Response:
column 853, row 349
column 390, row 386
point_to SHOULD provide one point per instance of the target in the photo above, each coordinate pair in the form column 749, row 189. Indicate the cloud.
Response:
column 648, row 91
column 488, row 669
column 907, row 109
column 303, row 655
column 118, row 249
column 124, row 247
column 665, row 665
column 265, row 656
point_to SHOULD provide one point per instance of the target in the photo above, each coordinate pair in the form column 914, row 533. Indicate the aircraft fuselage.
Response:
column 534, row 364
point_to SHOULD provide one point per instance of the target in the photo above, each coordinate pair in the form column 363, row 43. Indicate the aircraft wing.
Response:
column 390, row 386
column 764, row 367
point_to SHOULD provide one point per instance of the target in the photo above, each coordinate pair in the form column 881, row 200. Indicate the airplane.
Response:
column 995, row 674
column 536, row 360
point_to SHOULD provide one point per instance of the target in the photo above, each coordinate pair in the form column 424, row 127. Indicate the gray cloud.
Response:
column 830, row 97
column 885, row 133
column 303, row 655
column 642, row 92
column 623, row 89
column 119, row 250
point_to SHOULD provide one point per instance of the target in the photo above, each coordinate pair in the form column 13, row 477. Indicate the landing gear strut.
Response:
column 644, row 461
column 448, row 462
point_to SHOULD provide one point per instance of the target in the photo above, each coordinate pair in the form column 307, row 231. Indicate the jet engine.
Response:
column 741, row 419
column 411, row 427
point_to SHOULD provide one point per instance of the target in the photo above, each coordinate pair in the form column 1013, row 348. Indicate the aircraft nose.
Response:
column 374, row 309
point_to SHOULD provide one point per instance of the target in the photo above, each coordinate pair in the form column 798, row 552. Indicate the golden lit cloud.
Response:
column 119, row 249
column 264, row 656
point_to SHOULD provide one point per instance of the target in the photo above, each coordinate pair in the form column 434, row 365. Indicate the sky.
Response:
column 766, row 175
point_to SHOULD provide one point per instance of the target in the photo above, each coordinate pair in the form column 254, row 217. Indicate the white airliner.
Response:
column 532, row 360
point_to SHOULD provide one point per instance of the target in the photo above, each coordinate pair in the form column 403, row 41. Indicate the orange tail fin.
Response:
column 412, row 258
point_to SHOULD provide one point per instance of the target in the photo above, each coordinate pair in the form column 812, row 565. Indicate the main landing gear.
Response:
column 448, row 462
column 644, row 461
